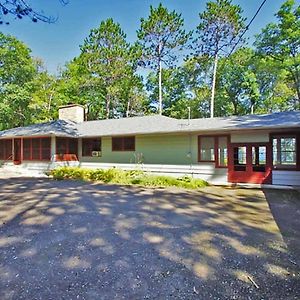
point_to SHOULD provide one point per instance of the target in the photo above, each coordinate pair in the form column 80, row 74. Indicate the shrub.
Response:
column 119, row 176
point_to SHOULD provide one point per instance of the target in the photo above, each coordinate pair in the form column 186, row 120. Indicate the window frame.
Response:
column 216, row 148
column 122, row 138
column 90, row 140
column 279, row 136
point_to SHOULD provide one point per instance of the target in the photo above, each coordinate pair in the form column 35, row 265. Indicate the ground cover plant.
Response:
column 132, row 177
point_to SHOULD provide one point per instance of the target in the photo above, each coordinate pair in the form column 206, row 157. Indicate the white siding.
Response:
column 286, row 177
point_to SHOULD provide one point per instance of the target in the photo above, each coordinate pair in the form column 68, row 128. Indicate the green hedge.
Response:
column 119, row 176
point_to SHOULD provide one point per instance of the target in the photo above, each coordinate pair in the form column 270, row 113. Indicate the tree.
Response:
column 16, row 74
column 281, row 43
column 107, row 67
column 22, row 9
column 237, row 86
column 220, row 27
column 161, row 36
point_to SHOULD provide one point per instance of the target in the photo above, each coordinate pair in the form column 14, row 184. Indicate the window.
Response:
column 259, row 158
column 284, row 151
column 90, row 145
column 239, row 158
column 66, row 146
column 213, row 149
column 222, row 151
column 5, row 149
column 123, row 143
column 36, row 149
column 207, row 149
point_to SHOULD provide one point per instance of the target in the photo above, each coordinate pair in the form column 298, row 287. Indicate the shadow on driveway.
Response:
column 76, row 240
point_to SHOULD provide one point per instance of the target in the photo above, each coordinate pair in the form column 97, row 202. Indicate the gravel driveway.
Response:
column 74, row 240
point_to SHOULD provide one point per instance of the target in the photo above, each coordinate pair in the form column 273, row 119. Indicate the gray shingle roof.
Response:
column 157, row 124
column 57, row 128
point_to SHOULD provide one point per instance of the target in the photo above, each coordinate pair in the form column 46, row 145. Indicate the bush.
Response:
column 119, row 176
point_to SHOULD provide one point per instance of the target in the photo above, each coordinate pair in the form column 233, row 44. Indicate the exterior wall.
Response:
column 174, row 155
column 258, row 137
column 162, row 149
column 286, row 177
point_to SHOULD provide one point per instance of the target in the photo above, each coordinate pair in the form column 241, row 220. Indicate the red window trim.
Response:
column 287, row 167
column 90, row 145
column 216, row 146
column 40, row 149
column 123, row 143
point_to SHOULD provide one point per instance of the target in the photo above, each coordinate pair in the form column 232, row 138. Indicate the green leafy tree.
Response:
column 238, row 88
column 108, row 63
column 220, row 27
column 280, row 43
column 17, row 70
column 161, row 36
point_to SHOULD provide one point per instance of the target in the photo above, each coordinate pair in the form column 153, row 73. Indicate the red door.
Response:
column 17, row 151
column 250, row 163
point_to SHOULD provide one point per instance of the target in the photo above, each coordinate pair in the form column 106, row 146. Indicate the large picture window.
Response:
column 213, row 149
column 123, row 143
column 284, row 151
column 89, row 145
column 6, row 149
column 36, row 149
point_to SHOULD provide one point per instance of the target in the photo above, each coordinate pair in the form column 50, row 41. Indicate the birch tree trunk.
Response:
column 212, row 101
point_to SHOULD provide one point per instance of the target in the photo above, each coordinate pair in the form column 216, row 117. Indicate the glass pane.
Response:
column 239, row 158
column 96, row 145
column 117, row 144
column 288, row 158
column 207, row 151
column 222, row 151
column 129, row 144
column 284, row 151
column 259, row 157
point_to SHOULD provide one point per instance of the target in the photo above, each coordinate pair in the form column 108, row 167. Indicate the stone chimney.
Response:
column 71, row 112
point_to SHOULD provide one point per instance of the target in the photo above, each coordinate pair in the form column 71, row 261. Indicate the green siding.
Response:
column 158, row 149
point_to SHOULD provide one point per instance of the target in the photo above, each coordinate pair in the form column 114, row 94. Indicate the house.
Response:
column 263, row 149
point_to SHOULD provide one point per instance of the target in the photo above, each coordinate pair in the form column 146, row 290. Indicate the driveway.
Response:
column 74, row 240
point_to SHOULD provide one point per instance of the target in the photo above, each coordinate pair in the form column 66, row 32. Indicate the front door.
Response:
column 250, row 163
column 17, row 151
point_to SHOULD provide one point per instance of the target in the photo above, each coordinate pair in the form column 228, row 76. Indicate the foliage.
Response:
column 105, row 71
column 220, row 28
column 16, row 73
column 280, row 43
column 119, row 176
column 161, row 36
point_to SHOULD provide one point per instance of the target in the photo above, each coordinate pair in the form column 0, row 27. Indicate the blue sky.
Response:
column 59, row 42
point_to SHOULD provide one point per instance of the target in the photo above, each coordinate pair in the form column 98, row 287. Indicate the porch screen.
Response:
column 5, row 149
column 66, row 146
column 37, row 148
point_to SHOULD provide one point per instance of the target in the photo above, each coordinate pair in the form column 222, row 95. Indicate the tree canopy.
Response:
column 107, row 78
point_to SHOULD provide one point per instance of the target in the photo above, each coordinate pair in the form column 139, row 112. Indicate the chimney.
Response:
column 71, row 112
